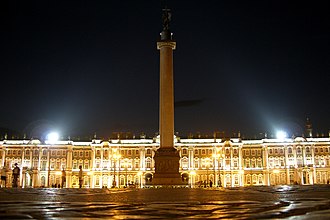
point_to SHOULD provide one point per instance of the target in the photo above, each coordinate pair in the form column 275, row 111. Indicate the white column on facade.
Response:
column 3, row 156
column 313, row 164
column 22, row 161
column 142, row 158
column 93, row 157
column 190, row 158
column 286, row 162
column 39, row 158
column 101, row 162
column 266, row 165
column 69, row 166
column 240, row 165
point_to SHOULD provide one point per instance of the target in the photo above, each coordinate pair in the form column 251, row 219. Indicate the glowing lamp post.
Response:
column 192, row 175
column 116, row 157
column 140, row 178
column 216, row 157
column 51, row 138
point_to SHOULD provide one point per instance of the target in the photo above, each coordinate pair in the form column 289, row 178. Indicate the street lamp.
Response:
column 115, row 156
column 192, row 174
column 140, row 178
column 216, row 156
column 207, row 171
column 126, row 168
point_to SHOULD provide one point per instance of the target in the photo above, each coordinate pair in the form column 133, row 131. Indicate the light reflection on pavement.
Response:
column 291, row 202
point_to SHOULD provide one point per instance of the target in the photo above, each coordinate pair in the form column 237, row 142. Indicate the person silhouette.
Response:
column 80, row 177
column 16, row 172
column 4, row 176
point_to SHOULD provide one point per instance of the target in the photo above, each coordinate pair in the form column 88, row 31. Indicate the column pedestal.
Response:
column 167, row 168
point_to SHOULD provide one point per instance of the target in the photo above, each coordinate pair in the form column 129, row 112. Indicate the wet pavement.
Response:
column 289, row 202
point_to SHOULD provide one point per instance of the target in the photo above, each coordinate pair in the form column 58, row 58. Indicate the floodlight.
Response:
column 281, row 135
column 52, row 137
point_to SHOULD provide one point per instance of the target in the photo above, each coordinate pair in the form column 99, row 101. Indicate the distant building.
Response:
column 129, row 162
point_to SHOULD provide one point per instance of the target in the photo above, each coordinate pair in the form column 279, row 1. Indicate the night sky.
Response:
column 81, row 67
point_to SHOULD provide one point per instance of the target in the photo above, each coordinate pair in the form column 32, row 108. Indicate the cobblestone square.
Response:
column 284, row 202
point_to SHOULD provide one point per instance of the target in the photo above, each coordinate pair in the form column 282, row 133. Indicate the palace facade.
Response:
column 129, row 162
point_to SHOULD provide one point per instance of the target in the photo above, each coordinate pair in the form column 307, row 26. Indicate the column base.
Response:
column 167, row 168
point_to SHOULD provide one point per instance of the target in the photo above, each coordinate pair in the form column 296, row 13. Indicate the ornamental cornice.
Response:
column 171, row 44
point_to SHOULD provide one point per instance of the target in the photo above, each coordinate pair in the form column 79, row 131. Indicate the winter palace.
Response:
column 129, row 162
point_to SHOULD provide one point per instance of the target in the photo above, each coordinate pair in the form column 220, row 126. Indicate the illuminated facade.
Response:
column 119, row 162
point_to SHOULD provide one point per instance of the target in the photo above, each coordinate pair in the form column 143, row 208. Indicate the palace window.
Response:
column 290, row 150
column 235, row 163
column 137, row 164
column 43, row 165
column 253, row 163
column 196, row 163
column 248, row 179
column 86, row 165
column 316, row 150
column 247, row 163
column 271, row 162
column 184, row 151
column 148, row 163
column 259, row 163
column 184, row 163
column 307, row 150
column 260, row 179
column 299, row 150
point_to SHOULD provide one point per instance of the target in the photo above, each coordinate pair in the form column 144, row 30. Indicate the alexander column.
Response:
column 167, row 157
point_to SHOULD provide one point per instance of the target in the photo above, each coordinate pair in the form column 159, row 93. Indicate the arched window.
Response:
column 184, row 163
column 148, row 163
column 307, row 150
column 298, row 150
